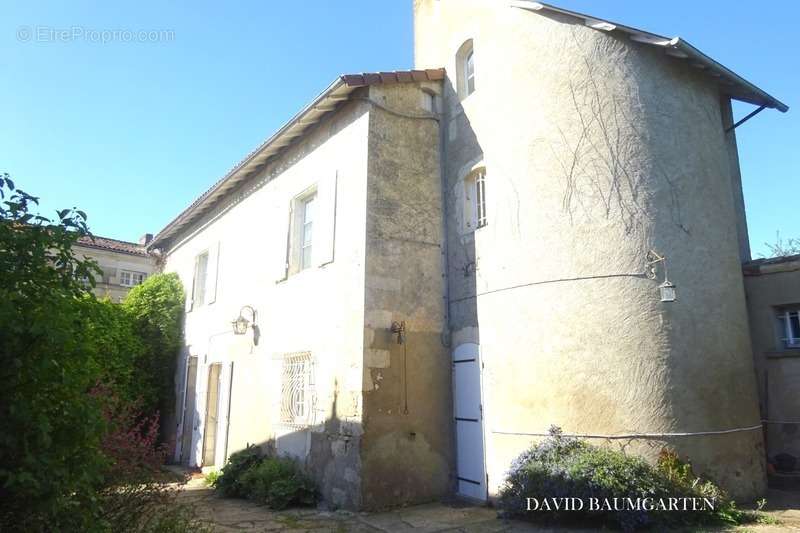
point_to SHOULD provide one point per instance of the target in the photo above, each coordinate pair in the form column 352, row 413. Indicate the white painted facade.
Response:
column 319, row 309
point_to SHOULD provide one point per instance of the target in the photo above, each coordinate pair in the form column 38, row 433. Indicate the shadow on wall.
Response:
column 467, row 207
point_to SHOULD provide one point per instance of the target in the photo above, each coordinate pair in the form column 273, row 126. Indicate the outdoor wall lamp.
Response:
column 667, row 289
column 241, row 323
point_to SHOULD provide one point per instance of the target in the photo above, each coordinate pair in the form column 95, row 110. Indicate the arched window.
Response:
column 465, row 69
column 475, row 200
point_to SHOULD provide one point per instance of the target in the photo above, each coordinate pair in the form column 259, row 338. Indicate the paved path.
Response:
column 233, row 515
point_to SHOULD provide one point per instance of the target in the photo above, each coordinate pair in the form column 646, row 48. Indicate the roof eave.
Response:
column 675, row 47
column 242, row 168
column 326, row 102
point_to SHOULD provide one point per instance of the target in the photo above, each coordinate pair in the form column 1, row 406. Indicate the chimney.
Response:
column 145, row 239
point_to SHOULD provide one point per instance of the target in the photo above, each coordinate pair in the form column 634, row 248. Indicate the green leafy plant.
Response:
column 66, row 451
column 229, row 481
column 279, row 482
column 211, row 478
column 561, row 467
column 156, row 309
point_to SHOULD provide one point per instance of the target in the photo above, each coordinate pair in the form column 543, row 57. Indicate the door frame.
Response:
column 183, row 452
column 207, row 441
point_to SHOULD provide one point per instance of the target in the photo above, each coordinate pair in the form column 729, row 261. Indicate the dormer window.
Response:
column 465, row 69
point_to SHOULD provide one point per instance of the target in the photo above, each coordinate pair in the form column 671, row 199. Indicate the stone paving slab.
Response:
column 227, row 515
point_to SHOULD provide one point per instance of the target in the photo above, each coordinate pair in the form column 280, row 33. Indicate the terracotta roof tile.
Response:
column 114, row 245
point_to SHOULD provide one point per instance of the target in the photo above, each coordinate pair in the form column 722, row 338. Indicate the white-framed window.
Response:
column 789, row 326
column 465, row 69
column 129, row 278
column 475, row 200
column 469, row 72
column 297, row 389
column 200, row 279
column 308, row 205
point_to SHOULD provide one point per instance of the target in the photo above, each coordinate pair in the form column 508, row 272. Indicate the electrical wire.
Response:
column 635, row 435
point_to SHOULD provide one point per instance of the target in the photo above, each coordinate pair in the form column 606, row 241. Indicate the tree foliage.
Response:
column 783, row 248
column 156, row 308
column 60, row 444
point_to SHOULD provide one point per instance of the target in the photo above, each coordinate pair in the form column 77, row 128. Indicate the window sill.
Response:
column 786, row 353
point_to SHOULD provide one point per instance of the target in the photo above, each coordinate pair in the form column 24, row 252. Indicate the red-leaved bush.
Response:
column 131, row 440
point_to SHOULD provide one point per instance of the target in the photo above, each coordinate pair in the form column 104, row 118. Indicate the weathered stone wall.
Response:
column 770, row 286
column 407, row 443
column 597, row 149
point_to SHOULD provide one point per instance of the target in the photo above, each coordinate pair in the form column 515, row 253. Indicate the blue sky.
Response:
column 132, row 132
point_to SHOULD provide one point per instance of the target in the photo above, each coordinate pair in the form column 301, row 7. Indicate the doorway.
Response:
column 189, row 403
column 468, row 413
column 211, row 426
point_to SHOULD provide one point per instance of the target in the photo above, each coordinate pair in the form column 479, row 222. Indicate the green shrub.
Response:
column 59, row 452
column 228, row 482
column 211, row 478
column 279, row 482
column 156, row 309
column 561, row 467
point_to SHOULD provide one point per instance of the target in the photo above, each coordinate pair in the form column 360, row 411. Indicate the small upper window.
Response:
column 129, row 278
column 469, row 72
column 200, row 277
column 789, row 326
column 465, row 69
column 475, row 200
column 306, row 238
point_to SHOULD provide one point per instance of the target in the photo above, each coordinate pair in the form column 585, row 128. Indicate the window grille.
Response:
column 789, row 320
column 297, row 390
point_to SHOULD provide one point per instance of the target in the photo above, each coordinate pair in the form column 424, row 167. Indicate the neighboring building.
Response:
column 773, row 301
column 124, row 264
column 438, row 265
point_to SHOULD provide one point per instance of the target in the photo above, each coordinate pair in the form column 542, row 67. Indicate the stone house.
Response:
column 124, row 264
column 422, row 271
column 773, row 302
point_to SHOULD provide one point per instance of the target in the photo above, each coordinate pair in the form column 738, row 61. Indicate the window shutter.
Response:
column 325, row 240
column 190, row 287
column 212, row 273
column 281, row 218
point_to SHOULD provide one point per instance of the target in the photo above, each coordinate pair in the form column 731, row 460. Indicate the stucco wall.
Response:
column 319, row 310
column 769, row 287
column 407, row 443
column 597, row 149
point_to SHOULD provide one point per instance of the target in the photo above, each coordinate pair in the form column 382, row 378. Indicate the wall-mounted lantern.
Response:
column 667, row 289
column 241, row 323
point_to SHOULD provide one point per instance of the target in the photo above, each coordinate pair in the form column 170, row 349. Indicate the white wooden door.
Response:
column 223, row 416
column 468, row 412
